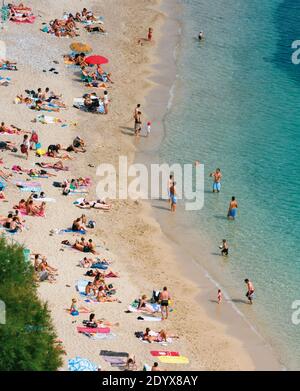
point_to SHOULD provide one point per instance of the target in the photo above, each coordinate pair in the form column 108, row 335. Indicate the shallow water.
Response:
column 235, row 107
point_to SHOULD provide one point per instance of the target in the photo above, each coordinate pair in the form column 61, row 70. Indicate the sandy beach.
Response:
column 129, row 234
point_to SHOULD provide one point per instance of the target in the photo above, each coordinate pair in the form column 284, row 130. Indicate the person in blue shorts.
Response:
column 217, row 180
column 232, row 210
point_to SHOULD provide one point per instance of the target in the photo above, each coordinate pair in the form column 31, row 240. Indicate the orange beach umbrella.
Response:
column 81, row 47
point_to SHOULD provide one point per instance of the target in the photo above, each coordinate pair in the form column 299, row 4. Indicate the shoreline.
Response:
column 234, row 322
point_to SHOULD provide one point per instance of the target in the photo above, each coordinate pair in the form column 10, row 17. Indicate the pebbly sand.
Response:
column 129, row 234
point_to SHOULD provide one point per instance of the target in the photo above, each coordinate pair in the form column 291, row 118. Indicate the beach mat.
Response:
column 173, row 360
column 114, row 360
column 80, row 286
column 92, row 330
column 163, row 353
column 149, row 319
column 110, row 353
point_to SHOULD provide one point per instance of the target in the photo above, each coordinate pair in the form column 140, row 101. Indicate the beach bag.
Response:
column 91, row 224
column 155, row 296
column 40, row 152
column 90, row 273
column 139, row 334
column 24, row 149
column 57, row 184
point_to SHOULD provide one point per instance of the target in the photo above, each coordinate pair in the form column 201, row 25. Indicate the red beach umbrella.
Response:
column 96, row 60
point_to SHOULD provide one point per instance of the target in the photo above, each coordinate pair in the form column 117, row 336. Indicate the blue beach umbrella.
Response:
column 81, row 364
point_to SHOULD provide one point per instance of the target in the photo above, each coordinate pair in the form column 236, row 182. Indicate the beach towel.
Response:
column 46, row 199
column 24, row 213
column 27, row 183
column 99, row 266
column 149, row 319
column 81, row 364
column 91, row 330
column 110, row 353
column 46, row 119
column 161, row 353
column 31, row 189
column 19, row 19
column 103, row 336
column 115, row 360
column 173, row 360
column 82, row 232
column 80, row 286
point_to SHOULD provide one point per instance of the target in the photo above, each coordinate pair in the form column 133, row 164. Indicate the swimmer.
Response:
column 201, row 36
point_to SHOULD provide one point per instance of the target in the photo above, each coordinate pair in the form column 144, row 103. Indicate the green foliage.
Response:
column 27, row 338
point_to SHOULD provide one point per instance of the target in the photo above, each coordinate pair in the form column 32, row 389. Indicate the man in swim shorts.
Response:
column 217, row 180
column 250, row 290
column 164, row 298
column 232, row 210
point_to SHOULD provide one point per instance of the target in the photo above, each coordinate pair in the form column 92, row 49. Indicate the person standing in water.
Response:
column 232, row 210
column 224, row 247
column 250, row 290
column 217, row 180
column 220, row 296
column 173, row 197
column 201, row 36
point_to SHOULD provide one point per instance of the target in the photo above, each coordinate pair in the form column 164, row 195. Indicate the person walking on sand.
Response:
column 220, row 296
column 25, row 145
column 173, row 197
column 136, row 110
column 137, row 123
column 150, row 34
column 232, row 210
column 164, row 298
column 148, row 128
column 105, row 102
column 250, row 290
column 217, row 180
column 170, row 183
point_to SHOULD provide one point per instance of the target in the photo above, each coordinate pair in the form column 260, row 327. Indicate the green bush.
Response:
column 27, row 338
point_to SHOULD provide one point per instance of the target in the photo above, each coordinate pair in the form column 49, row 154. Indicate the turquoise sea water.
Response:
column 237, row 106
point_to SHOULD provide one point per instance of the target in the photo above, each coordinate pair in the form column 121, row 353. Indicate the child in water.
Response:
column 220, row 296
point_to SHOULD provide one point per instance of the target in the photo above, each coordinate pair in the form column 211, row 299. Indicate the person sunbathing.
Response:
column 8, row 145
column 85, row 247
column 53, row 151
column 103, row 298
column 4, row 175
column 78, row 225
column 78, row 17
column 6, row 221
column 74, row 310
column 108, row 274
column 95, row 27
column 44, row 266
column 98, row 322
column 90, row 289
column 34, row 210
column 8, row 65
column 98, row 204
column 2, row 196
column 56, row 166
column 153, row 336
column 143, row 305
column 14, row 225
